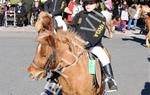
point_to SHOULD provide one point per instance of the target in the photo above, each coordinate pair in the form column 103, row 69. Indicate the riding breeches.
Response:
column 61, row 23
column 101, row 54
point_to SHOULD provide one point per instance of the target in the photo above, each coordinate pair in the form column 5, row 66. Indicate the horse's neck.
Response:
column 70, row 49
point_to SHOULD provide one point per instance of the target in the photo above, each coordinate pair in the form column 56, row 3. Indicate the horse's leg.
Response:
column 147, row 21
column 148, row 39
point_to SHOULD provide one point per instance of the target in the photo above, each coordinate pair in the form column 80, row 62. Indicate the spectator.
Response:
column 137, row 15
column 69, row 11
column 124, row 15
column 78, row 7
column 115, row 24
column 20, row 14
column 1, row 14
column 73, row 8
column 35, row 12
column 56, row 9
column 132, row 12
column 115, row 9
column 9, row 8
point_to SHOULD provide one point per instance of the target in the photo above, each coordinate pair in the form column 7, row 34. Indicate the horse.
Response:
column 146, row 16
column 64, row 50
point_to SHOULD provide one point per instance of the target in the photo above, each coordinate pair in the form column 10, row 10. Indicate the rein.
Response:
column 50, row 60
column 72, row 52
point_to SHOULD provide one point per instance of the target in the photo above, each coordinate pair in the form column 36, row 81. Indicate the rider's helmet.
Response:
column 84, row 1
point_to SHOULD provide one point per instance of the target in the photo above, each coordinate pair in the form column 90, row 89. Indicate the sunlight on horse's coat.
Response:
column 57, row 49
column 145, row 13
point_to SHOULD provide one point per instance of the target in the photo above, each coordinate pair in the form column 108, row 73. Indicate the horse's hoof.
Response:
column 110, row 37
column 146, row 45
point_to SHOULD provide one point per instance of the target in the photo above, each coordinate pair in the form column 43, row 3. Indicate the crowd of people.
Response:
column 124, row 16
column 128, row 17
column 16, row 12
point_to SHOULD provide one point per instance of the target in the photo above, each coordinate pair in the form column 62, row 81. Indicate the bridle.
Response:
column 50, row 59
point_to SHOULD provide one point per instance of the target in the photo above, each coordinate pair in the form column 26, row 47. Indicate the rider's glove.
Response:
column 87, row 45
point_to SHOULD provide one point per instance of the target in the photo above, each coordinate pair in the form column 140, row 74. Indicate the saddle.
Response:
column 98, row 77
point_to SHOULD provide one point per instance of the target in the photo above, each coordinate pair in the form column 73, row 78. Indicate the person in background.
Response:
column 73, row 8
column 36, row 9
column 69, row 11
column 132, row 12
column 78, row 7
column 20, row 14
column 90, row 25
column 115, row 10
column 56, row 9
column 137, row 15
column 2, row 12
column 124, row 15
column 9, row 8
column 115, row 23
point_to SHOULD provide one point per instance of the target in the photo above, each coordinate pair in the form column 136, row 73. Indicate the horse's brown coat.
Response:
column 70, row 55
column 145, row 10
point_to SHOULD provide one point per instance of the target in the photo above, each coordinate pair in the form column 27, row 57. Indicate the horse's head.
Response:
column 44, row 57
column 44, row 22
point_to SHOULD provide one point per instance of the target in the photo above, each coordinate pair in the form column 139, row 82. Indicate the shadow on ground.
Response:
column 146, row 90
column 135, row 39
column 148, row 58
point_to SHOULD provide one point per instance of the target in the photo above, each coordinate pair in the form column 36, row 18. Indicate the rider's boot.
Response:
column 109, row 78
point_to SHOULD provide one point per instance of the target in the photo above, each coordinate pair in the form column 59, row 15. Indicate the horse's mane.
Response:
column 44, row 22
column 70, row 37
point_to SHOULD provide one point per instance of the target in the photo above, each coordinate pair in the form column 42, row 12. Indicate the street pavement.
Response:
column 128, row 55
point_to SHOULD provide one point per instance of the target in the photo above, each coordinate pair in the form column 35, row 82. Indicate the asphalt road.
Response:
column 129, row 61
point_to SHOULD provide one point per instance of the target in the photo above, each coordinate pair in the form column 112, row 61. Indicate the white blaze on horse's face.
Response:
column 39, row 48
column 36, row 69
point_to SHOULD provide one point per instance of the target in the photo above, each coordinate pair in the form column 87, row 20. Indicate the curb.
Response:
column 28, row 28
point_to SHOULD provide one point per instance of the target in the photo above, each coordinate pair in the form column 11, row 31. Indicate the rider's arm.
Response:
column 46, row 5
column 59, row 8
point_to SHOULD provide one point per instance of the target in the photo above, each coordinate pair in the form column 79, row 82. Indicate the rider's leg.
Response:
column 61, row 23
column 129, row 23
column 108, row 73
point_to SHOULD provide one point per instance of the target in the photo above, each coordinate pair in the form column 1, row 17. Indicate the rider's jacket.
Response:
column 90, row 26
column 55, row 7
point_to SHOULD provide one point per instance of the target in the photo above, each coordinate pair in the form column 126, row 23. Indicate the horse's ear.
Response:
column 50, row 15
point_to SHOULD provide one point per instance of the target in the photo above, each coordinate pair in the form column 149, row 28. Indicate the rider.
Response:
column 90, row 25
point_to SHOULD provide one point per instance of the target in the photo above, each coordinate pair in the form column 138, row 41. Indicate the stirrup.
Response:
column 111, row 83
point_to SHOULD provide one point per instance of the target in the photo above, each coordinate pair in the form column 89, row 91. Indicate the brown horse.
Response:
column 64, row 50
column 146, row 15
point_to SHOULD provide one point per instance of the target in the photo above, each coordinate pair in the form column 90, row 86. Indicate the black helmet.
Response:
column 89, row 1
